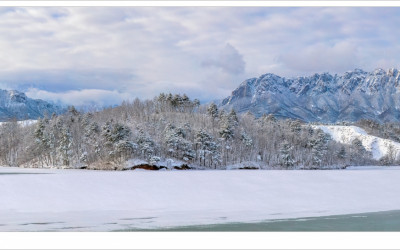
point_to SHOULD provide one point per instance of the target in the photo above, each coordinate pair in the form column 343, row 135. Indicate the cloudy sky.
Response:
column 80, row 55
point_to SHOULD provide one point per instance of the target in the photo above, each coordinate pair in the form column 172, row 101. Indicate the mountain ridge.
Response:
column 323, row 97
column 16, row 105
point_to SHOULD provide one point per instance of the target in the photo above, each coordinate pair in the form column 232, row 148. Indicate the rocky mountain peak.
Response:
column 354, row 95
column 15, row 104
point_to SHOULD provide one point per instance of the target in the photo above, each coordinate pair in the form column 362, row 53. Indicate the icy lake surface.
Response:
column 81, row 200
column 387, row 221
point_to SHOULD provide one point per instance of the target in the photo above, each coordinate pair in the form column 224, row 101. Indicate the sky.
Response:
column 103, row 55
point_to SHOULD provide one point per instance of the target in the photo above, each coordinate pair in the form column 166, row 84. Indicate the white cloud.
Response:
column 85, row 97
column 229, row 60
column 146, row 50
column 321, row 57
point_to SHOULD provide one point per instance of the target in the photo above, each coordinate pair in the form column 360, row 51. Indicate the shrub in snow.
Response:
column 154, row 160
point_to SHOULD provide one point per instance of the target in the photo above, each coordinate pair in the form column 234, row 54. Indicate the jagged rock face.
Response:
column 322, row 97
column 15, row 104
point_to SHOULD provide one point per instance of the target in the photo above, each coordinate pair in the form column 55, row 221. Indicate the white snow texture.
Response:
column 346, row 134
column 79, row 200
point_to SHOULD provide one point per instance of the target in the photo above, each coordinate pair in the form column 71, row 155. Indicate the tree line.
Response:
column 172, row 127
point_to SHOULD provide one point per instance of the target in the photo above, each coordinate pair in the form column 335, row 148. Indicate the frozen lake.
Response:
column 387, row 221
column 80, row 200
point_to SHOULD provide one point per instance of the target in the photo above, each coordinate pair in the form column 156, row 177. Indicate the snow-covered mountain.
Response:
column 379, row 147
column 322, row 97
column 15, row 104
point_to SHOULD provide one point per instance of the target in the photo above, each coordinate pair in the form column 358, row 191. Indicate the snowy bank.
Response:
column 346, row 134
column 79, row 200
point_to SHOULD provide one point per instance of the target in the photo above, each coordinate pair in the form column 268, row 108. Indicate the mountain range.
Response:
column 16, row 105
column 322, row 97
column 325, row 97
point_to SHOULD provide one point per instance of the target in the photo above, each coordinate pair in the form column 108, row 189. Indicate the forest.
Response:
column 173, row 128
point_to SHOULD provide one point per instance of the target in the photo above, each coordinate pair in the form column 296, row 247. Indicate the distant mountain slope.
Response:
column 322, row 97
column 379, row 147
column 15, row 104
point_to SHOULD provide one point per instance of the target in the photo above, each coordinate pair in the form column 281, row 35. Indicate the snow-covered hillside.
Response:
column 78, row 200
column 346, row 134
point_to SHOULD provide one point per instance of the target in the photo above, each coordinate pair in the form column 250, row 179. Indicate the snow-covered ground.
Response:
column 346, row 134
column 81, row 200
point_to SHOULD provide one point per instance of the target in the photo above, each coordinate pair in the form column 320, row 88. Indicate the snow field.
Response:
column 346, row 134
column 80, row 200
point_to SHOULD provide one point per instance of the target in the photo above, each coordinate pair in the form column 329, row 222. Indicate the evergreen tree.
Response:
column 286, row 155
column 65, row 146
column 42, row 141
column 358, row 153
column 318, row 147
column 233, row 119
column 226, row 131
column 116, row 140
column 341, row 154
column 145, row 144
column 178, row 145
column 207, row 148
column 295, row 126
column 246, row 139
column 212, row 111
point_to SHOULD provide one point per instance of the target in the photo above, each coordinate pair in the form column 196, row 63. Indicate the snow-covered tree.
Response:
column 246, row 139
column 295, row 126
column 178, row 146
column 124, row 149
column 145, row 144
column 390, row 156
column 341, row 154
column 358, row 152
column 212, row 111
column 42, row 141
column 207, row 148
column 319, row 147
column 10, row 139
column 286, row 154
column 226, row 131
column 233, row 119
column 65, row 146
column 117, row 141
